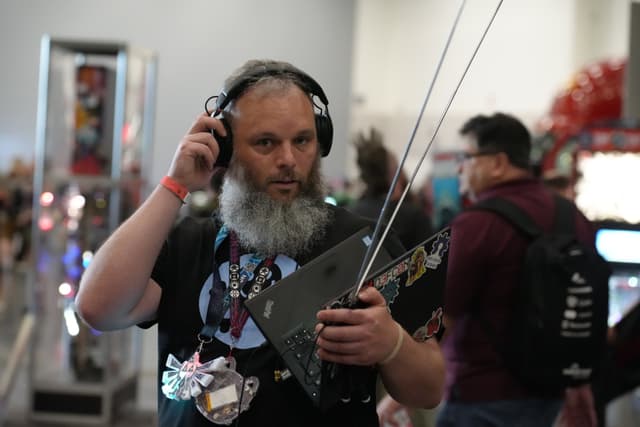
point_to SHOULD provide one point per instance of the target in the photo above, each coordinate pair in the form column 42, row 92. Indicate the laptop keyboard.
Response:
column 301, row 356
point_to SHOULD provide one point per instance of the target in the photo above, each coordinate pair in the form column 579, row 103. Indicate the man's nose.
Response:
column 285, row 154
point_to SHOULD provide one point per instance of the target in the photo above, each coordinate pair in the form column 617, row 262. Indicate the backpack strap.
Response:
column 564, row 223
column 522, row 222
column 511, row 212
column 565, row 212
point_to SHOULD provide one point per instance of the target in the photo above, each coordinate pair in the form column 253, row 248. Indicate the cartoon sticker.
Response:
column 438, row 249
column 417, row 265
column 431, row 328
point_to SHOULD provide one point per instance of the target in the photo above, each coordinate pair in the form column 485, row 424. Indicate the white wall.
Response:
column 198, row 43
column 531, row 51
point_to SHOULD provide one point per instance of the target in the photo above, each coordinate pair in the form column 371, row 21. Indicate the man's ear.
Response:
column 500, row 164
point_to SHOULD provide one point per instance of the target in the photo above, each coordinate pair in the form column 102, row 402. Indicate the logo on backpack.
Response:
column 557, row 330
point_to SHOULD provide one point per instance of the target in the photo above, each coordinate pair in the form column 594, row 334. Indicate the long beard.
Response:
column 272, row 227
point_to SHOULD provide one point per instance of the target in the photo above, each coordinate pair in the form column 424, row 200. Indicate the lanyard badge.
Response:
column 219, row 391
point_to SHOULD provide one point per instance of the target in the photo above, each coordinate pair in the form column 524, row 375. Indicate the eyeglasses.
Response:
column 467, row 156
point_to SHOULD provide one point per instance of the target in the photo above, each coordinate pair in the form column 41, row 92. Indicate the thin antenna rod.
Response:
column 385, row 206
column 378, row 244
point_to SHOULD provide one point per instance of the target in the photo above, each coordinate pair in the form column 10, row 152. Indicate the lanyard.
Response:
column 222, row 297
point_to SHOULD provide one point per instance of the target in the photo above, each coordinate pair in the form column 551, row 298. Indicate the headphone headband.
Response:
column 298, row 77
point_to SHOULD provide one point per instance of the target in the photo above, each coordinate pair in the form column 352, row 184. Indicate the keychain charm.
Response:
column 227, row 395
column 183, row 381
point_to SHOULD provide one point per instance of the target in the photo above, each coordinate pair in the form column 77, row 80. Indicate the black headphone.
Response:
column 324, row 126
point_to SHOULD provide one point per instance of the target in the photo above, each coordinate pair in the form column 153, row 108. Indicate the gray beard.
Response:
column 272, row 227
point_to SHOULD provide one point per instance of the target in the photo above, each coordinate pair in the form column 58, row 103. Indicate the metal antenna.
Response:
column 377, row 243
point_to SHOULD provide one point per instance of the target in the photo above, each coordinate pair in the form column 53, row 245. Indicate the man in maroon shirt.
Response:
column 486, row 257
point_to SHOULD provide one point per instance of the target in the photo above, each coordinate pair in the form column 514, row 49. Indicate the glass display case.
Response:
column 95, row 114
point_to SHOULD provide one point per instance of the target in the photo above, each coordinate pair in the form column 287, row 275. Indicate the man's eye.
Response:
column 301, row 140
column 265, row 142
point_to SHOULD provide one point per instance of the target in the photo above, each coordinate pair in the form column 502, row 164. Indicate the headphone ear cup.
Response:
column 324, row 131
column 225, row 144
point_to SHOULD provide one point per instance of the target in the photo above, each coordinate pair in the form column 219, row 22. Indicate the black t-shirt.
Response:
column 184, row 271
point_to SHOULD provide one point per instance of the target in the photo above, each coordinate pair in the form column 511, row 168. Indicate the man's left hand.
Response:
column 359, row 336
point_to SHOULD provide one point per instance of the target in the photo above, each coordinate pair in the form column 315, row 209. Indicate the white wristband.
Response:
column 396, row 349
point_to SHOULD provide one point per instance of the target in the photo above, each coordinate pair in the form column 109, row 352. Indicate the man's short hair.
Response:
column 251, row 73
column 501, row 133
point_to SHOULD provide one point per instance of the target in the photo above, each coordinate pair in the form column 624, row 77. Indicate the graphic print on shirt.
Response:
column 251, row 336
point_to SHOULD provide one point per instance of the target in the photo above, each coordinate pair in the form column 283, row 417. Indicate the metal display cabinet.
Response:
column 93, row 145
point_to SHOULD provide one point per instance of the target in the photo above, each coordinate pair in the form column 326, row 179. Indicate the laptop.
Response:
column 412, row 285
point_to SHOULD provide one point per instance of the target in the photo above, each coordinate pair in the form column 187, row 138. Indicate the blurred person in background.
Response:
column 377, row 166
column 486, row 258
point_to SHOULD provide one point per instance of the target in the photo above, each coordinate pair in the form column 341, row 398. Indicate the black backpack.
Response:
column 556, row 335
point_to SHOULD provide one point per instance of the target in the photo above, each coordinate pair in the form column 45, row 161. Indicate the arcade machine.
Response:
column 585, row 138
column 618, row 243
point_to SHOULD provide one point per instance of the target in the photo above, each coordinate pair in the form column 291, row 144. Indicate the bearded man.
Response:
column 191, row 277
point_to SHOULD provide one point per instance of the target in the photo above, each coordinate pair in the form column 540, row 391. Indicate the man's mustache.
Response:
column 285, row 177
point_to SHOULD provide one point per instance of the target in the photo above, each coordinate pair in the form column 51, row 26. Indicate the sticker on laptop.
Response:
column 438, row 249
column 431, row 328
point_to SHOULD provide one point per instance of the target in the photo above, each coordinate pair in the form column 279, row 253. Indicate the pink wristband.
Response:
column 175, row 187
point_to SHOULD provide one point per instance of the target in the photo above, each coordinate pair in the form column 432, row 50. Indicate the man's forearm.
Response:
column 415, row 377
column 115, row 282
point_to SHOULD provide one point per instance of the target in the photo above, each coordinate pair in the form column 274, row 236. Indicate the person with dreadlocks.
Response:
column 377, row 167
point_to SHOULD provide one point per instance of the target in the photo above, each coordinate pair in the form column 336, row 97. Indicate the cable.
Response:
column 313, row 349
column 206, row 104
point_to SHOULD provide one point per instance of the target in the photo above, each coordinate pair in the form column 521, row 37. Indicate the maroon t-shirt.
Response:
column 485, row 260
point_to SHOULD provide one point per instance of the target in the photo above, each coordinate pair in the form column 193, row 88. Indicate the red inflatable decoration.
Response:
column 593, row 96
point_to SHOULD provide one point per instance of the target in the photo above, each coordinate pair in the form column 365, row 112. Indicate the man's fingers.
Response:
column 203, row 153
column 199, row 124
column 342, row 333
column 205, row 123
column 339, row 315
column 201, row 137
column 337, row 347
column 205, row 139
column 371, row 296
